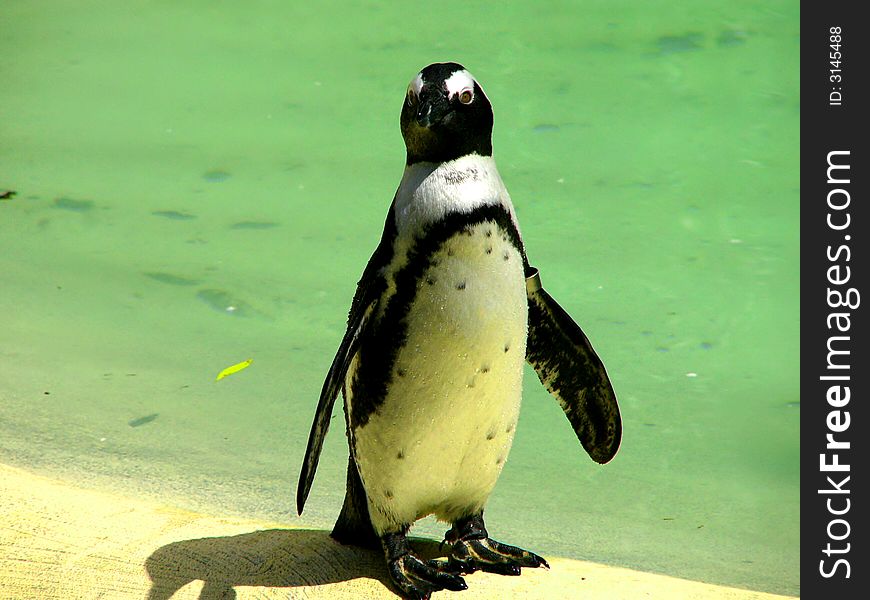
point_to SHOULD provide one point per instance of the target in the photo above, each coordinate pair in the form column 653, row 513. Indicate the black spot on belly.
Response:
column 509, row 428
column 431, row 280
column 388, row 493
column 460, row 285
column 506, row 256
column 491, row 434
column 499, row 460
column 507, row 346
column 484, row 369
column 400, row 454
column 488, row 233
column 400, row 372
column 489, row 249
column 457, row 177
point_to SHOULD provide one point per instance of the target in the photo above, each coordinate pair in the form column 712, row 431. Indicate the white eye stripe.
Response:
column 416, row 84
column 459, row 81
column 460, row 84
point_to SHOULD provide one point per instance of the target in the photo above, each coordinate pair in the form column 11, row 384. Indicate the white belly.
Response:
column 439, row 440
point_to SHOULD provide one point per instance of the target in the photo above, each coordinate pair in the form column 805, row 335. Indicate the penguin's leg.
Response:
column 354, row 526
column 413, row 577
column 474, row 550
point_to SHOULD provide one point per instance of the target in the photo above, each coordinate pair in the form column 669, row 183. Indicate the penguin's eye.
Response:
column 412, row 98
column 466, row 96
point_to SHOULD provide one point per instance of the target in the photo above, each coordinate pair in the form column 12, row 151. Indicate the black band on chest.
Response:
column 379, row 348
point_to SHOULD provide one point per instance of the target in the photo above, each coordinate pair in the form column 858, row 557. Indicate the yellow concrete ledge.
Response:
column 61, row 542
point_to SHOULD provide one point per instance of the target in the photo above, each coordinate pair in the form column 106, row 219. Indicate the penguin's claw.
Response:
column 417, row 579
column 474, row 550
column 491, row 556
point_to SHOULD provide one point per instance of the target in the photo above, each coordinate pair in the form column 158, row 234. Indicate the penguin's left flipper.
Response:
column 570, row 369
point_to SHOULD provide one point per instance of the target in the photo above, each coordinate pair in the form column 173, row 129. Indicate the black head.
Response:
column 445, row 115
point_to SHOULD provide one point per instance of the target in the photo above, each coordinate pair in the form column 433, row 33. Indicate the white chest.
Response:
column 440, row 438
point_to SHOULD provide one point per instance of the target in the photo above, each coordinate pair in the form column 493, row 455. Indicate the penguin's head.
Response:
column 445, row 115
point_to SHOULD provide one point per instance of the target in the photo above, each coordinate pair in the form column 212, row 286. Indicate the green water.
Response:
column 174, row 159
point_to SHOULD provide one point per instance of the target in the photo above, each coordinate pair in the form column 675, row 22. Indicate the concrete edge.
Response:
column 59, row 541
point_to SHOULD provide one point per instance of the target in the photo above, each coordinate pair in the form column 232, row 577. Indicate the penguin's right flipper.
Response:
column 571, row 371
column 369, row 289
column 331, row 387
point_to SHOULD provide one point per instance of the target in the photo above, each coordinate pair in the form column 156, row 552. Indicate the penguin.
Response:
column 445, row 315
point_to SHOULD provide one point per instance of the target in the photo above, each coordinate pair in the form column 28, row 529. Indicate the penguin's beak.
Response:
column 424, row 112
column 431, row 110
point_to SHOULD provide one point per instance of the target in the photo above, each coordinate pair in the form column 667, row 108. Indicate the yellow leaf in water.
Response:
column 234, row 369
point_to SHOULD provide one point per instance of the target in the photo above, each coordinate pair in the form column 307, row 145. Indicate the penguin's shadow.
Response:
column 284, row 558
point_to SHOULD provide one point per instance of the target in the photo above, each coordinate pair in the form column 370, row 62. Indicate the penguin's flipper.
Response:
column 570, row 370
column 331, row 387
column 368, row 291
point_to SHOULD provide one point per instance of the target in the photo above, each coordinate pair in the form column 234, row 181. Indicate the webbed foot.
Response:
column 474, row 550
column 413, row 577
